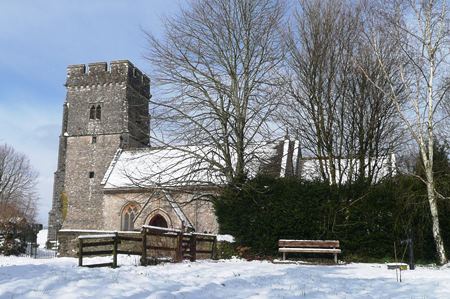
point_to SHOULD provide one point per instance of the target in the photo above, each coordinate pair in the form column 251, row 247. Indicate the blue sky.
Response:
column 38, row 39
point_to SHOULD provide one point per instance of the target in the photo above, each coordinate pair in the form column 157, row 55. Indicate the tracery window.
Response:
column 129, row 214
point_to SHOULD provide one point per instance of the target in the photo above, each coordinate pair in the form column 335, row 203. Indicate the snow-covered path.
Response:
column 61, row 278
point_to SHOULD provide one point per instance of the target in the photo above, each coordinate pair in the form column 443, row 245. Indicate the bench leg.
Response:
column 335, row 258
column 284, row 256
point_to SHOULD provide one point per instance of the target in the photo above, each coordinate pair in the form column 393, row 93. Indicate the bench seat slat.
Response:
column 309, row 243
column 309, row 250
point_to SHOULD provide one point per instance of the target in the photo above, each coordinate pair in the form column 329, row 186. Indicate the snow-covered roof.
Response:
column 381, row 167
column 193, row 165
column 178, row 166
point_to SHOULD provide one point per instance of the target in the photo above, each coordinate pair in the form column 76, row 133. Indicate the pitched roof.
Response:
column 193, row 165
column 178, row 166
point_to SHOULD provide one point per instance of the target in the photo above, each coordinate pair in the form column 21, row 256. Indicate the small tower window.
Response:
column 91, row 174
column 92, row 112
column 95, row 112
column 98, row 112
column 94, row 139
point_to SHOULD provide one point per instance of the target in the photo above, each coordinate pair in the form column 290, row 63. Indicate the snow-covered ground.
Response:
column 23, row 277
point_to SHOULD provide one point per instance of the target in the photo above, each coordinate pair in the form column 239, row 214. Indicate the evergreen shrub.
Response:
column 366, row 219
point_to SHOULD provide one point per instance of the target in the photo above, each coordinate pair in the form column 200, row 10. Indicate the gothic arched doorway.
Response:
column 158, row 220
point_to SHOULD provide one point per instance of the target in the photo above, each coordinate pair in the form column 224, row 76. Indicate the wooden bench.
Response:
column 309, row 246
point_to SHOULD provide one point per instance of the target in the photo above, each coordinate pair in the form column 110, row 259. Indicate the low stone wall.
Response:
column 68, row 241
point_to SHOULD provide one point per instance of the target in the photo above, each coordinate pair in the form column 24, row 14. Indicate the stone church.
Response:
column 108, row 176
column 104, row 152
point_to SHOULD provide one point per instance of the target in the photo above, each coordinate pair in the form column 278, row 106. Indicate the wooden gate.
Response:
column 98, row 242
column 173, row 245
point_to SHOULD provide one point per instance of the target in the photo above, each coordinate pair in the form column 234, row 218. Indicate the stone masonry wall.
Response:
column 138, row 118
column 88, row 145
column 85, row 194
column 115, row 202
column 200, row 213
column 55, row 215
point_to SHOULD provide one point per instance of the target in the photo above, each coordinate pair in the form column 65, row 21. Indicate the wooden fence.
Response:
column 101, row 245
column 164, row 244
column 156, row 244
column 96, row 241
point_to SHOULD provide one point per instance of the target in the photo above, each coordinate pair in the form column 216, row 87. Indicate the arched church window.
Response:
column 92, row 112
column 128, row 217
column 158, row 220
column 98, row 112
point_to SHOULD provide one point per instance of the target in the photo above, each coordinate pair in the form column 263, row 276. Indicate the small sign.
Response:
column 401, row 266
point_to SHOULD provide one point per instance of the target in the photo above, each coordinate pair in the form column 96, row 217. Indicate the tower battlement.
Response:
column 100, row 73
column 106, row 109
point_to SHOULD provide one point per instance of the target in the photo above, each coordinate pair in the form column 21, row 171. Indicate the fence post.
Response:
column 213, row 250
column 144, row 247
column 193, row 247
column 115, row 239
column 179, row 252
column 80, row 252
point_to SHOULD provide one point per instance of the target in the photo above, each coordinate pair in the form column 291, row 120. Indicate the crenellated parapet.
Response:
column 119, row 94
column 99, row 73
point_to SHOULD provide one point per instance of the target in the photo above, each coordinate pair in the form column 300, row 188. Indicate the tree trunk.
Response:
column 435, row 219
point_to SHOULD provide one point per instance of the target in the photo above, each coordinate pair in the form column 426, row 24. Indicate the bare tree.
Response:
column 17, row 185
column 420, row 29
column 217, row 68
column 374, row 129
column 344, row 122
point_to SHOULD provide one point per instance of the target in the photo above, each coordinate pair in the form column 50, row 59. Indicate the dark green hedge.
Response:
column 367, row 219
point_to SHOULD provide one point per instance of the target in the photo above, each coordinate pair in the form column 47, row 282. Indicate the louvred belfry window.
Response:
column 92, row 112
column 98, row 112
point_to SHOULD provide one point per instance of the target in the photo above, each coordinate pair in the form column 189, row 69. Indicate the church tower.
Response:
column 106, row 109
